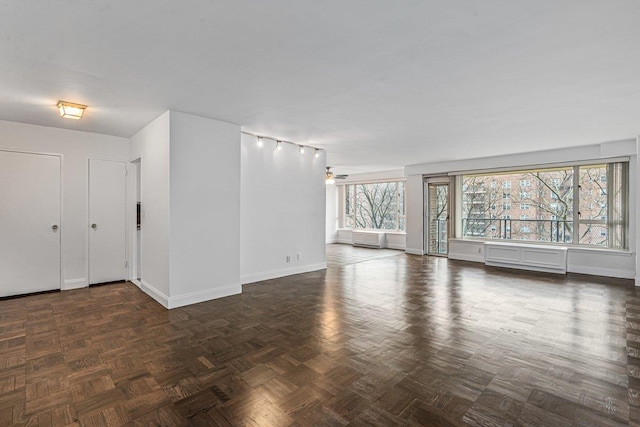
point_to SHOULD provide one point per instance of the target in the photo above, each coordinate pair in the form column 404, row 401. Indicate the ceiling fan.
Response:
column 331, row 177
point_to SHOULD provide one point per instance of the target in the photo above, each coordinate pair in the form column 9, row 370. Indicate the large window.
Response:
column 584, row 205
column 377, row 206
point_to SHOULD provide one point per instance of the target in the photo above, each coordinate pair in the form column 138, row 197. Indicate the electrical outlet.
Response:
column 288, row 258
column 479, row 250
column 298, row 257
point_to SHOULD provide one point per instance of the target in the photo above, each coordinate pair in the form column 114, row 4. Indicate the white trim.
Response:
column 75, row 284
column 412, row 251
column 392, row 246
column 370, row 181
column 202, row 296
column 526, row 168
column 465, row 257
column 136, row 282
column 599, row 271
column 331, row 241
column 596, row 152
column 154, row 293
column 274, row 274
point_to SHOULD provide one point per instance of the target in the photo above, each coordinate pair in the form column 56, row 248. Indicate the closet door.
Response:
column 107, row 221
column 29, row 223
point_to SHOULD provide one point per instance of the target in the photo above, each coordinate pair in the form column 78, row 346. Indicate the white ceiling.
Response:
column 379, row 84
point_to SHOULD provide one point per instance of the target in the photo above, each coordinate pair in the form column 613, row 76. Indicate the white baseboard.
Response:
column 274, row 274
column 154, row 293
column 344, row 241
column 412, row 251
column 202, row 296
column 190, row 298
column 466, row 257
column 75, row 284
column 136, row 282
column 331, row 241
column 392, row 246
column 600, row 271
column 637, row 280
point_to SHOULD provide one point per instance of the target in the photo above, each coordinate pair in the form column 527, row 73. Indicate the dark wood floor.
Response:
column 374, row 340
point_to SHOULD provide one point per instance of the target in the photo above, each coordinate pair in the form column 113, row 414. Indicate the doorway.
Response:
column 107, row 221
column 30, row 222
column 436, row 229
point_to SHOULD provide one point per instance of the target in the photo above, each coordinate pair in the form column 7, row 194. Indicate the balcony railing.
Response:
column 438, row 236
column 545, row 230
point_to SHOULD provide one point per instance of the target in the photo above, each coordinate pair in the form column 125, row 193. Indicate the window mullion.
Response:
column 610, row 201
column 576, row 205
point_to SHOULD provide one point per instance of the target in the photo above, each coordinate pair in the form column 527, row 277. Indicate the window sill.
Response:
column 570, row 247
column 366, row 230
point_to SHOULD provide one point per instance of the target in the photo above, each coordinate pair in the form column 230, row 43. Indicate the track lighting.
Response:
column 279, row 144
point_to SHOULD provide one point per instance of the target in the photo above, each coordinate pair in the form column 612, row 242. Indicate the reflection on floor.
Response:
column 340, row 255
column 380, row 338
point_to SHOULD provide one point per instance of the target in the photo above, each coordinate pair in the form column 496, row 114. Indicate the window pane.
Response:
column 401, row 199
column 593, row 234
column 545, row 209
column 617, row 184
column 348, row 195
column 376, row 206
column 593, row 205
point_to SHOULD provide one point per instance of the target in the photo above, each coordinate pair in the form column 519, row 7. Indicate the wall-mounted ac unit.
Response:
column 369, row 239
column 527, row 257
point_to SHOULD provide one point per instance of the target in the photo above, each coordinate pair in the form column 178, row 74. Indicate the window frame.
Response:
column 576, row 220
column 400, row 216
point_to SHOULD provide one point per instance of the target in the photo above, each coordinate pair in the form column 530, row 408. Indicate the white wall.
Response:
column 414, row 203
column 587, row 261
column 76, row 148
column 331, row 225
column 152, row 145
column 205, row 209
column 283, row 196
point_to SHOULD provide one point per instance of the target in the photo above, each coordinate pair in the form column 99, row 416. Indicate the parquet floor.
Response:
column 392, row 340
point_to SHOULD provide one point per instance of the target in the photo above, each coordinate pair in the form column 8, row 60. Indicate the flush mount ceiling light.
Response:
column 69, row 110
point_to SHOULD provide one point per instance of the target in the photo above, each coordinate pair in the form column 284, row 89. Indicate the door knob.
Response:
column 54, row 227
column 94, row 226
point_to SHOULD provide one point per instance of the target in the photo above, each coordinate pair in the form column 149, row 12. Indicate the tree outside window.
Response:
column 376, row 206
column 549, row 201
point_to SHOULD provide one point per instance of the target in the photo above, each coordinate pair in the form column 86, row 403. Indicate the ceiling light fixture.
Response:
column 260, row 141
column 70, row 110
column 329, row 177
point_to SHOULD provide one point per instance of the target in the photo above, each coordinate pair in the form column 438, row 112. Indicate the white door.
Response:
column 107, row 221
column 29, row 223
